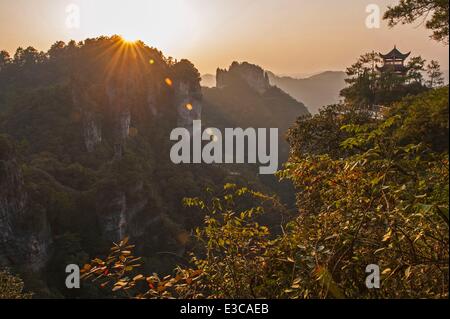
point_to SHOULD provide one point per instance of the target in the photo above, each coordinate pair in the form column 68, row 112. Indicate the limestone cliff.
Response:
column 85, row 106
column 96, row 143
column 252, row 74
column 153, row 92
column 121, row 211
column 24, row 232
column 188, row 99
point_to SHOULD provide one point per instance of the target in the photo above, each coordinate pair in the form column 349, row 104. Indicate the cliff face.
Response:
column 120, row 98
column 117, row 205
column 24, row 233
column 112, row 111
column 96, row 144
column 188, row 99
column 252, row 74
column 119, row 211
column 154, row 90
column 86, row 106
column 244, row 98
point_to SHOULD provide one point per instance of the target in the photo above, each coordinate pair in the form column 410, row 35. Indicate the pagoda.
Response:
column 394, row 61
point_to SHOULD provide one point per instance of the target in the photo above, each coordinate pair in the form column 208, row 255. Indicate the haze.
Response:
column 292, row 37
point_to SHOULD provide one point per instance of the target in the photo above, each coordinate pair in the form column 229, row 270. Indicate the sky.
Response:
column 289, row 37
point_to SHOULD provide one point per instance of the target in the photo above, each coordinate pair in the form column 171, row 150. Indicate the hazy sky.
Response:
column 285, row 36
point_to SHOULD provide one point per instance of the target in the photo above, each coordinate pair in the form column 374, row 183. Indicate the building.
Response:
column 394, row 61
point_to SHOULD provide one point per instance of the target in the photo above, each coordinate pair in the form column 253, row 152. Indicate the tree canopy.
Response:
column 434, row 13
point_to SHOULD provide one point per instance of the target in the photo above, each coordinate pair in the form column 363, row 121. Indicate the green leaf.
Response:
column 327, row 280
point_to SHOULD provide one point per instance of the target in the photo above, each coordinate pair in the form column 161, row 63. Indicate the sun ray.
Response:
column 111, row 66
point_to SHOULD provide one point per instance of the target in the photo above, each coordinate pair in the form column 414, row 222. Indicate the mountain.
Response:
column 315, row 91
column 85, row 153
column 245, row 98
column 208, row 80
column 85, row 157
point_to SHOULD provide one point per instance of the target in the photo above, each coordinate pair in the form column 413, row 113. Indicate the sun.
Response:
column 169, row 26
column 130, row 38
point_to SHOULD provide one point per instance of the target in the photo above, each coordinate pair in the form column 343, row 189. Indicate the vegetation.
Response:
column 11, row 286
column 434, row 13
column 368, row 88
column 371, row 187
column 384, row 203
column 369, row 176
column 80, row 191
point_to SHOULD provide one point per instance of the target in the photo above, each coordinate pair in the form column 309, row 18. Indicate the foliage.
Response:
column 236, row 258
column 237, row 249
column 50, row 100
column 116, row 271
column 11, row 286
column 434, row 73
column 321, row 133
column 379, row 207
column 433, row 12
column 369, row 88
column 386, row 203
column 383, row 201
column 370, row 188
column 425, row 120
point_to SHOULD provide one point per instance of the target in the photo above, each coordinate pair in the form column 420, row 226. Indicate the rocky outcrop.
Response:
column 111, row 215
column 252, row 74
column 121, row 97
column 91, row 131
column 188, row 98
column 85, row 107
column 153, row 92
column 24, row 232
column 118, row 212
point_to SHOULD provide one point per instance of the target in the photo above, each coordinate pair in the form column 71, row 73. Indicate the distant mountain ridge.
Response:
column 315, row 91
column 208, row 80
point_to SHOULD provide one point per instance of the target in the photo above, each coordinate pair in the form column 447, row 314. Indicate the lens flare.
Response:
column 168, row 82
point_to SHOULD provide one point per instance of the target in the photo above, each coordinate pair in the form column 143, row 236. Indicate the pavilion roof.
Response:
column 395, row 54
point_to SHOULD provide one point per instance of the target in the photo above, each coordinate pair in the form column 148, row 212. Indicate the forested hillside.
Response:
column 86, row 177
column 371, row 183
column 377, row 194
column 85, row 157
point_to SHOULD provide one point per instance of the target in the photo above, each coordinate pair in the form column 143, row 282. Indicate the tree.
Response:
column 57, row 50
column 387, row 205
column 362, row 80
column 28, row 56
column 425, row 119
column 5, row 59
column 416, row 67
column 408, row 11
column 321, row 133
column 185, row 71
column 350, row 201
column 434, row 73
column 370, row 87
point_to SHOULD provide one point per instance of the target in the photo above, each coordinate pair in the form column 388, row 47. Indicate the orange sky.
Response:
column 285, row 36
